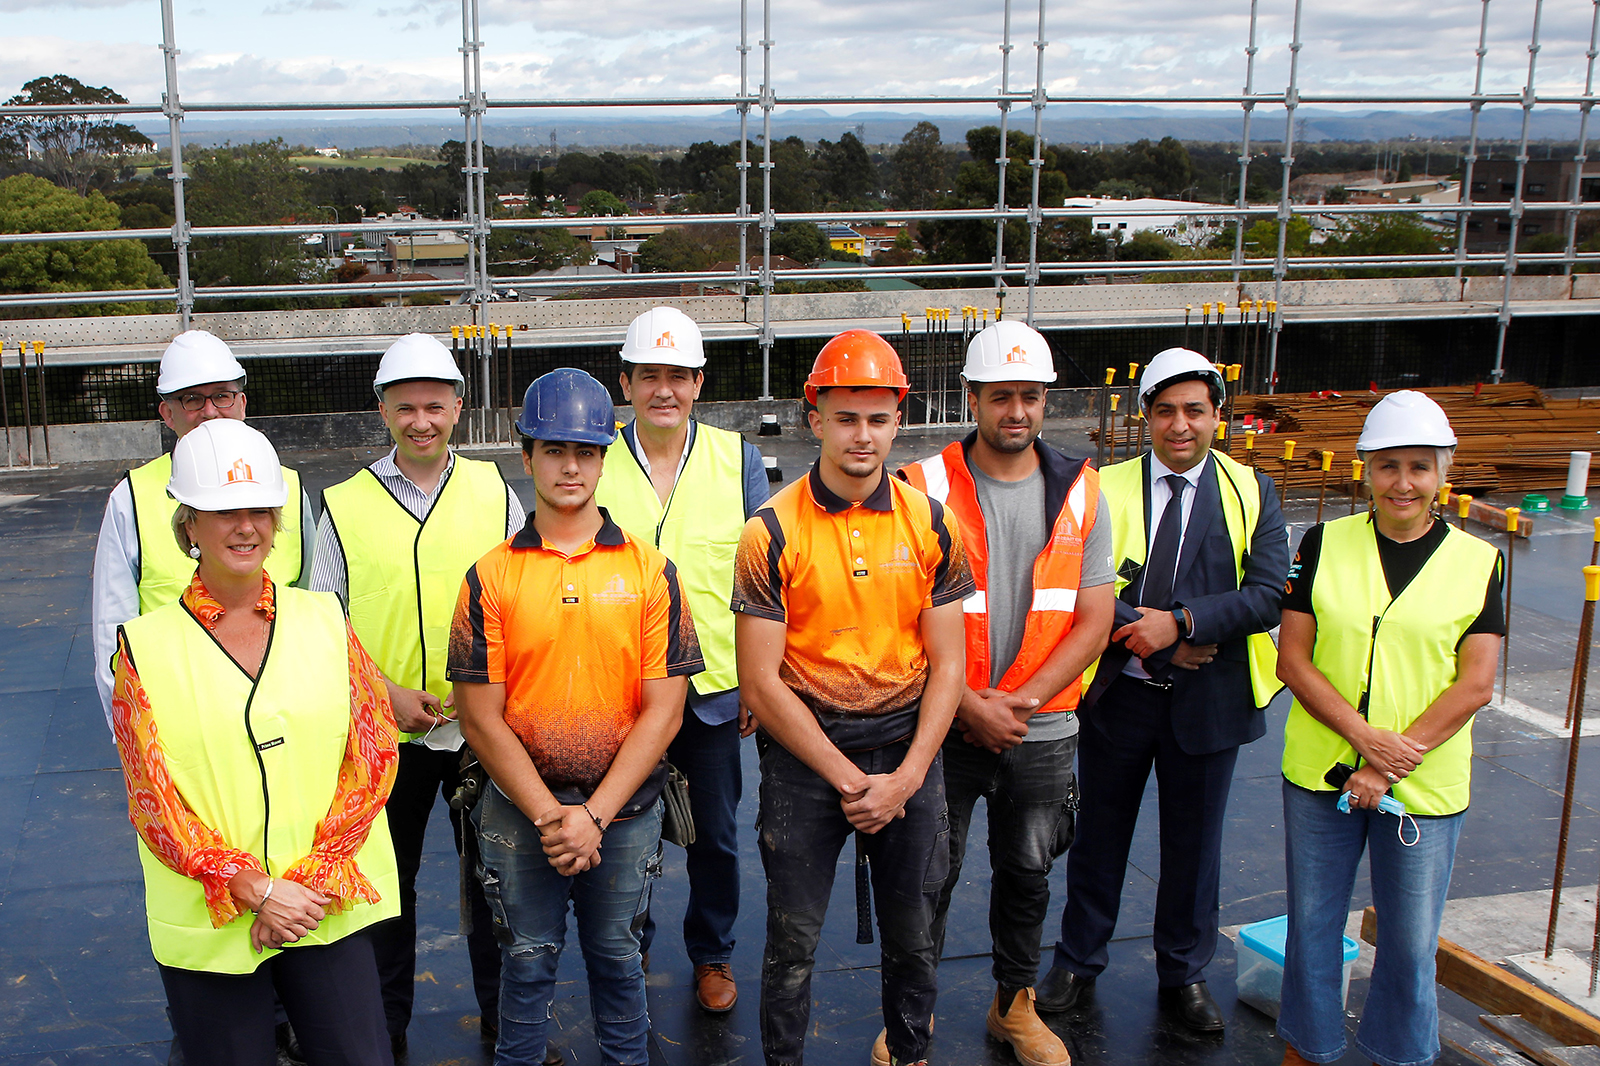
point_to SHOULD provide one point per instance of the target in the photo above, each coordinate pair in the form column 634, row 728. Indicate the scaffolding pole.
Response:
column 1244, row 141
column 1583, row 139
column 1462, row 216
column 172, row 106
column 744, row 151
column 1504, row 318
column 1035, row 217
column 1002, row 160
column 768, row 102
column 1279, row 266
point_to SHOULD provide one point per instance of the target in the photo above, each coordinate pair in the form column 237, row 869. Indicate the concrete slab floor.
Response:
column 77, row 983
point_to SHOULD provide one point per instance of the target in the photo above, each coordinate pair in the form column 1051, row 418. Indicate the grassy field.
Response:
column 366, row 162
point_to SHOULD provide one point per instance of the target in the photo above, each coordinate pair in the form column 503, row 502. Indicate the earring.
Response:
column 194, row 551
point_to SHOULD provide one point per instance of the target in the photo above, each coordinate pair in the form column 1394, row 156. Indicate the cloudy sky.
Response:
column 407, row 49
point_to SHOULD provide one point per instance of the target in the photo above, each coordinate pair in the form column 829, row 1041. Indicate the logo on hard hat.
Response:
column 665, row 340
column 1016, row 355
column 240, row 471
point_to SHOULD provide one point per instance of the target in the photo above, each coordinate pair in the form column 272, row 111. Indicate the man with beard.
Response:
column 1039, row 537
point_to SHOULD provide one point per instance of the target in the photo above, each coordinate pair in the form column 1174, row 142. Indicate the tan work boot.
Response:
column 880, row 1048
column 1031, row 1040
column 1291, row 1057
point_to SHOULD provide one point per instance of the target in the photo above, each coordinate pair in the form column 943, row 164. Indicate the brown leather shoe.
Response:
column 714, row 987
column 1291, row 1057
column 1031, row 1040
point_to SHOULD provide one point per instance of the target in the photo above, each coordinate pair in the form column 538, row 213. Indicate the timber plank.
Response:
column 1481, row 1047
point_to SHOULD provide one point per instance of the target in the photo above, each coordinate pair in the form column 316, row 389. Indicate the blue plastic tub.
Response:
column 1260, row 979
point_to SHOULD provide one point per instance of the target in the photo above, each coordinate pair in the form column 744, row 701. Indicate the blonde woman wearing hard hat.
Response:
column 1389, row 658
column 137, row 568
column 258, row 749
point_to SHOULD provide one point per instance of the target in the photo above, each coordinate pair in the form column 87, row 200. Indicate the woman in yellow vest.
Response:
column 258, row 747
column 1392, row 623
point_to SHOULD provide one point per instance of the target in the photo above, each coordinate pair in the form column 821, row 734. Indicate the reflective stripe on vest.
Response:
column 1123, row 485
column 1056, row 571
column 255, row 761
column 164, row 570
column 1413, row 656
column 698, row 530
column 405, row 576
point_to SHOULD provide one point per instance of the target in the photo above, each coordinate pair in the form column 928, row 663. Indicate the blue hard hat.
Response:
column 570, row 406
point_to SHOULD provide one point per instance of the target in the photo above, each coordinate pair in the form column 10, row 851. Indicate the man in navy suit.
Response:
column 1202, row 554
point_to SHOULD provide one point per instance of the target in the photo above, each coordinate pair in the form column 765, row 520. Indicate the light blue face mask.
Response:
column 1389, row 805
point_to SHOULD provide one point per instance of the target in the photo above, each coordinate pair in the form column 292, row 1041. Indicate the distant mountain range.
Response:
column 1064, row 124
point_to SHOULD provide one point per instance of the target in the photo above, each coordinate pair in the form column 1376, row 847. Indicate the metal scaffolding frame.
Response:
column 477, row 226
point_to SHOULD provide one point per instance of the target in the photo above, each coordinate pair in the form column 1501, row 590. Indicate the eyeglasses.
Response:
column 194, row 401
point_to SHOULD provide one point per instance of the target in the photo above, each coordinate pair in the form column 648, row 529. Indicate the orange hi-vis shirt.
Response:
column 572, row 638
column 851, row 582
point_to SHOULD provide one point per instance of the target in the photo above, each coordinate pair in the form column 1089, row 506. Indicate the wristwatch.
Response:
column 1182, row 619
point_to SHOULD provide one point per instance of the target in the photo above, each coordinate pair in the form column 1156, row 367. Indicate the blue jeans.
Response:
column 1400, row 1022
column 529, row 901
column 708, row 755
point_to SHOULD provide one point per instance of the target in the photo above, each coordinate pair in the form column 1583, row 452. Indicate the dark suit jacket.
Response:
column 1213, row 707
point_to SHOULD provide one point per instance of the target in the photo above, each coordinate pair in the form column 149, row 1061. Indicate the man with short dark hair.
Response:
column 1183, row 685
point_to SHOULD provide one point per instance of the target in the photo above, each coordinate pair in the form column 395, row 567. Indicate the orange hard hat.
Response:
column 857, row 358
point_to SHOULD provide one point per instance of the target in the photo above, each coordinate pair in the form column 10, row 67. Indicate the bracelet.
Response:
column 598, row 824
column 265, row 895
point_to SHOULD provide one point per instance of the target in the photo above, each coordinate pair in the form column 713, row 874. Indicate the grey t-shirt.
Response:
column 1017, row 530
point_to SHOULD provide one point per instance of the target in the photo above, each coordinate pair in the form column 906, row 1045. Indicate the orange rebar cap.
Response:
column 857, row 358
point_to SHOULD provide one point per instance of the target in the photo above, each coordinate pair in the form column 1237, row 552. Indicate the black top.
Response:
column 1401, row 563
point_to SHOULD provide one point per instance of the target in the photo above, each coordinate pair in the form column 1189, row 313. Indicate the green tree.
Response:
column 1261, row 239
column 1121, row 189
column 682, row 249
column 1164, row 167
column 801, row 241
column 30, row 204
column 848, row 173
column 600, row 203
column 73, row 149
column 250, row 185
column 1147, row 245
column 518, row 252
column 921, row 166
column 1386, row 235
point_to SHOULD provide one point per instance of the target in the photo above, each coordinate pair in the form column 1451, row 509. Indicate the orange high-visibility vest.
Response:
column 1056, row 571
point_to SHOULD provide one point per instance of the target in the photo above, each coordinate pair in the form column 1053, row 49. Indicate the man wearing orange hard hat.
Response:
column 847, row 588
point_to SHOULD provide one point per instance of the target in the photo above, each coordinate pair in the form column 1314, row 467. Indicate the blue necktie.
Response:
column 1162, row 566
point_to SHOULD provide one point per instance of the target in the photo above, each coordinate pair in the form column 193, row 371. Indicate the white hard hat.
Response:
column 224, row 465
column 1009, row 351
column 417, row 357
column 1406, row 419
column 196, row 357
column 1172, row 366
column 664, row 335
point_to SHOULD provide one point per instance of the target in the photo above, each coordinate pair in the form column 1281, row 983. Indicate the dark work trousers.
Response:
column 708, row 755
column 1193, row 795
column 1031, row 794
column 423, row 776
column 801, row 830
column 330, row 992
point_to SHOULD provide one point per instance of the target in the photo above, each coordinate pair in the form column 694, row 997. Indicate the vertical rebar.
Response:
column 1291, row 100
column 1462, row 216
column 1504, row 318
column 1583, row 142
column 5, row 405
column 172, row 107
column 1594, row 558
column 44, row 402
column 1513, row 517
column 27, row 411
column 1580, row 676
column 744, row 149
column 1003, row 158
column 768, row 102
column 1244, row 141
column 1037, row 162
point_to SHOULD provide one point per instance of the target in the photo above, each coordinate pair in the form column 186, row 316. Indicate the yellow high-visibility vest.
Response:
column 257, row 761
column 1123, row 486
column 698, row 529
column 1410, row 644
column 164, row 571
column 404, row 575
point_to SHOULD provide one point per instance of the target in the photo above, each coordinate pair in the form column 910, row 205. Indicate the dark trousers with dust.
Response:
column 425, row 775
column 802, row 830
column 1032, row 796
